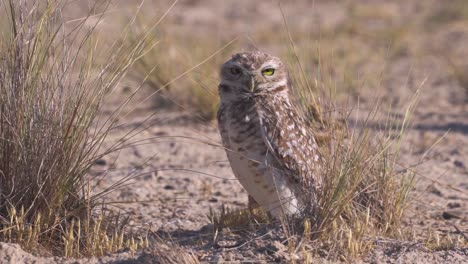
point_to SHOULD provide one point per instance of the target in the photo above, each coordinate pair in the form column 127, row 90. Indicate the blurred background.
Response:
column 348, row 47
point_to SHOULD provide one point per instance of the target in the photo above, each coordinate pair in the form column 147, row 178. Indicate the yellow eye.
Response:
column 268, row 71
column 235, row 70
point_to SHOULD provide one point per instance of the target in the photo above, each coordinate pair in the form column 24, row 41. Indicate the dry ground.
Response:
column 377, row 50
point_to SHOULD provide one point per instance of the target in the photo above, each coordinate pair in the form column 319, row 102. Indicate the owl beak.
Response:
column 252, row 84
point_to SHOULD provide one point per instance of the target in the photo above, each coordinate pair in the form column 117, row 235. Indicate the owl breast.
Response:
column 253, row 165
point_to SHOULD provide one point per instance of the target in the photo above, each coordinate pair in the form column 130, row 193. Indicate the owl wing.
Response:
column 290, row 142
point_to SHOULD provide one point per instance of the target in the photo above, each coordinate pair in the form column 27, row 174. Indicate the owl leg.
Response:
column 253, row 205
column 258, row 214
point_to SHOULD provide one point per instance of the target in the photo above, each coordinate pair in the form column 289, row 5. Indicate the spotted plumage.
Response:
column 271, row 150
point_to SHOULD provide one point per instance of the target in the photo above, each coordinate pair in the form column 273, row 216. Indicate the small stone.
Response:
column 150, row 176
column 227, row 243
column 136, row 153
column 100, row 162
column 447, row 215
column 126, row 89
column 453, row 205
column 434, row 190
column 458, row 164
column 169, row 187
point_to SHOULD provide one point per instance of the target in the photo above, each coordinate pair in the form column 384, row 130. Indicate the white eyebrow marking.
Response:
column 270, row 64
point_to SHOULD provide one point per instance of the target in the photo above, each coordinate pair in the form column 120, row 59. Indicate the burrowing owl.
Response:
column 271, row 151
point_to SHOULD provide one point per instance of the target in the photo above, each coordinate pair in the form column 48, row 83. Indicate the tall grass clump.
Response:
column 51, row 89
column 364, row 193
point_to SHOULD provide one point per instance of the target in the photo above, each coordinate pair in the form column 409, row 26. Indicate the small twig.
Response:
column 406, row 249
column 298, row 246
column 240, row 244
column 461, row 233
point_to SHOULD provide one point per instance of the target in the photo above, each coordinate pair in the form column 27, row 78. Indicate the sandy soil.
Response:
column 179, row 172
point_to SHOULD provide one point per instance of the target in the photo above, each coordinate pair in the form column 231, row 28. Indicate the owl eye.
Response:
column 235, row 71
column 268, row 71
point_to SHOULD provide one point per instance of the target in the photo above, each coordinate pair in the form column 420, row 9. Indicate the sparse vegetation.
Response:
column 56, row 75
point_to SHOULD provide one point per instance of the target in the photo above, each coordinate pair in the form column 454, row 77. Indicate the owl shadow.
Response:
column 454, row 127
column 207, row 238
column 436, row 122
column 184, row 237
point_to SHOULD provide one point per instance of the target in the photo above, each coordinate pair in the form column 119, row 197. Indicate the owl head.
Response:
column 252, row 73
